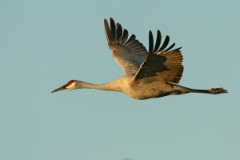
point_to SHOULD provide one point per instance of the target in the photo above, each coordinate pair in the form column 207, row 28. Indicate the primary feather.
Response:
column 163, row 62
column 129, row 53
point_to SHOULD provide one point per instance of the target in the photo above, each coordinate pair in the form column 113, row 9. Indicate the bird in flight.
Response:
column 147, row 74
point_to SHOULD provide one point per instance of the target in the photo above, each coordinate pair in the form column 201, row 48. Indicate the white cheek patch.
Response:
column 71, row 86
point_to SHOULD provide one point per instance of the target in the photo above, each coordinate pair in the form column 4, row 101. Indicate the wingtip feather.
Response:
column 107, row 31
column 150, row 42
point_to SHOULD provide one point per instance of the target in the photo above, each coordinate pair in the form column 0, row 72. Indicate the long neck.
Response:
column 110, row 86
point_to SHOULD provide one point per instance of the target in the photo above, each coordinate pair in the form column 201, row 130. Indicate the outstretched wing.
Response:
column 162, row 61
column 128, row 52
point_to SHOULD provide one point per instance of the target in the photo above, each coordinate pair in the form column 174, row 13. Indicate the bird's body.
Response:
column 147, row 74
column 135, row 89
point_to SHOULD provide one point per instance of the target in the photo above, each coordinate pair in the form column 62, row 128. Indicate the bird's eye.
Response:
column 70, row 82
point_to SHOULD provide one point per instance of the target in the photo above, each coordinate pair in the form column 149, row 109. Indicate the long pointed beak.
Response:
column 59, row 89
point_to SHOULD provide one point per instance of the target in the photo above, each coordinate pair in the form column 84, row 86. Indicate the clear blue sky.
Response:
column 43, row 44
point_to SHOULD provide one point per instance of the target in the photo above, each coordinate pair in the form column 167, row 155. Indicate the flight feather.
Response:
column 162, row 61
column 129, row 53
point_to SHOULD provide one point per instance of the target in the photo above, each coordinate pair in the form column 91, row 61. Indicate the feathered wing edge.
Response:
column 116, row 35
column 128, row 52
column 162, row 60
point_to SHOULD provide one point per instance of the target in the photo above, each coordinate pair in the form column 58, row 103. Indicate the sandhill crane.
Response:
column 147, row 74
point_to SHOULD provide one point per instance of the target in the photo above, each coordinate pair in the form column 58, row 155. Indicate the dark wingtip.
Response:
column 158, row 41
column 111, row 19
column 113, row 28
column 165, row 43
column 107, row 31
column 150, row 42
column 177, row 49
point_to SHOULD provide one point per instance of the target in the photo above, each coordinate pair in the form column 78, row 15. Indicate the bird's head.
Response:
column 68, row 86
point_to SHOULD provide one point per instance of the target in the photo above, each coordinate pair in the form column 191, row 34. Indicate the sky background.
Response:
column 43, row 44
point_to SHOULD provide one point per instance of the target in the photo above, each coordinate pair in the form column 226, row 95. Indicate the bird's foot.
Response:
column 218, row 91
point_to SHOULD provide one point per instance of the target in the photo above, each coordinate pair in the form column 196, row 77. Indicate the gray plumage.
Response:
column 129, row 53
column 147, row 74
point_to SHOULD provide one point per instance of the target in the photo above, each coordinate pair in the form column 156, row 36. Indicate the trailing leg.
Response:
column 181, row 90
